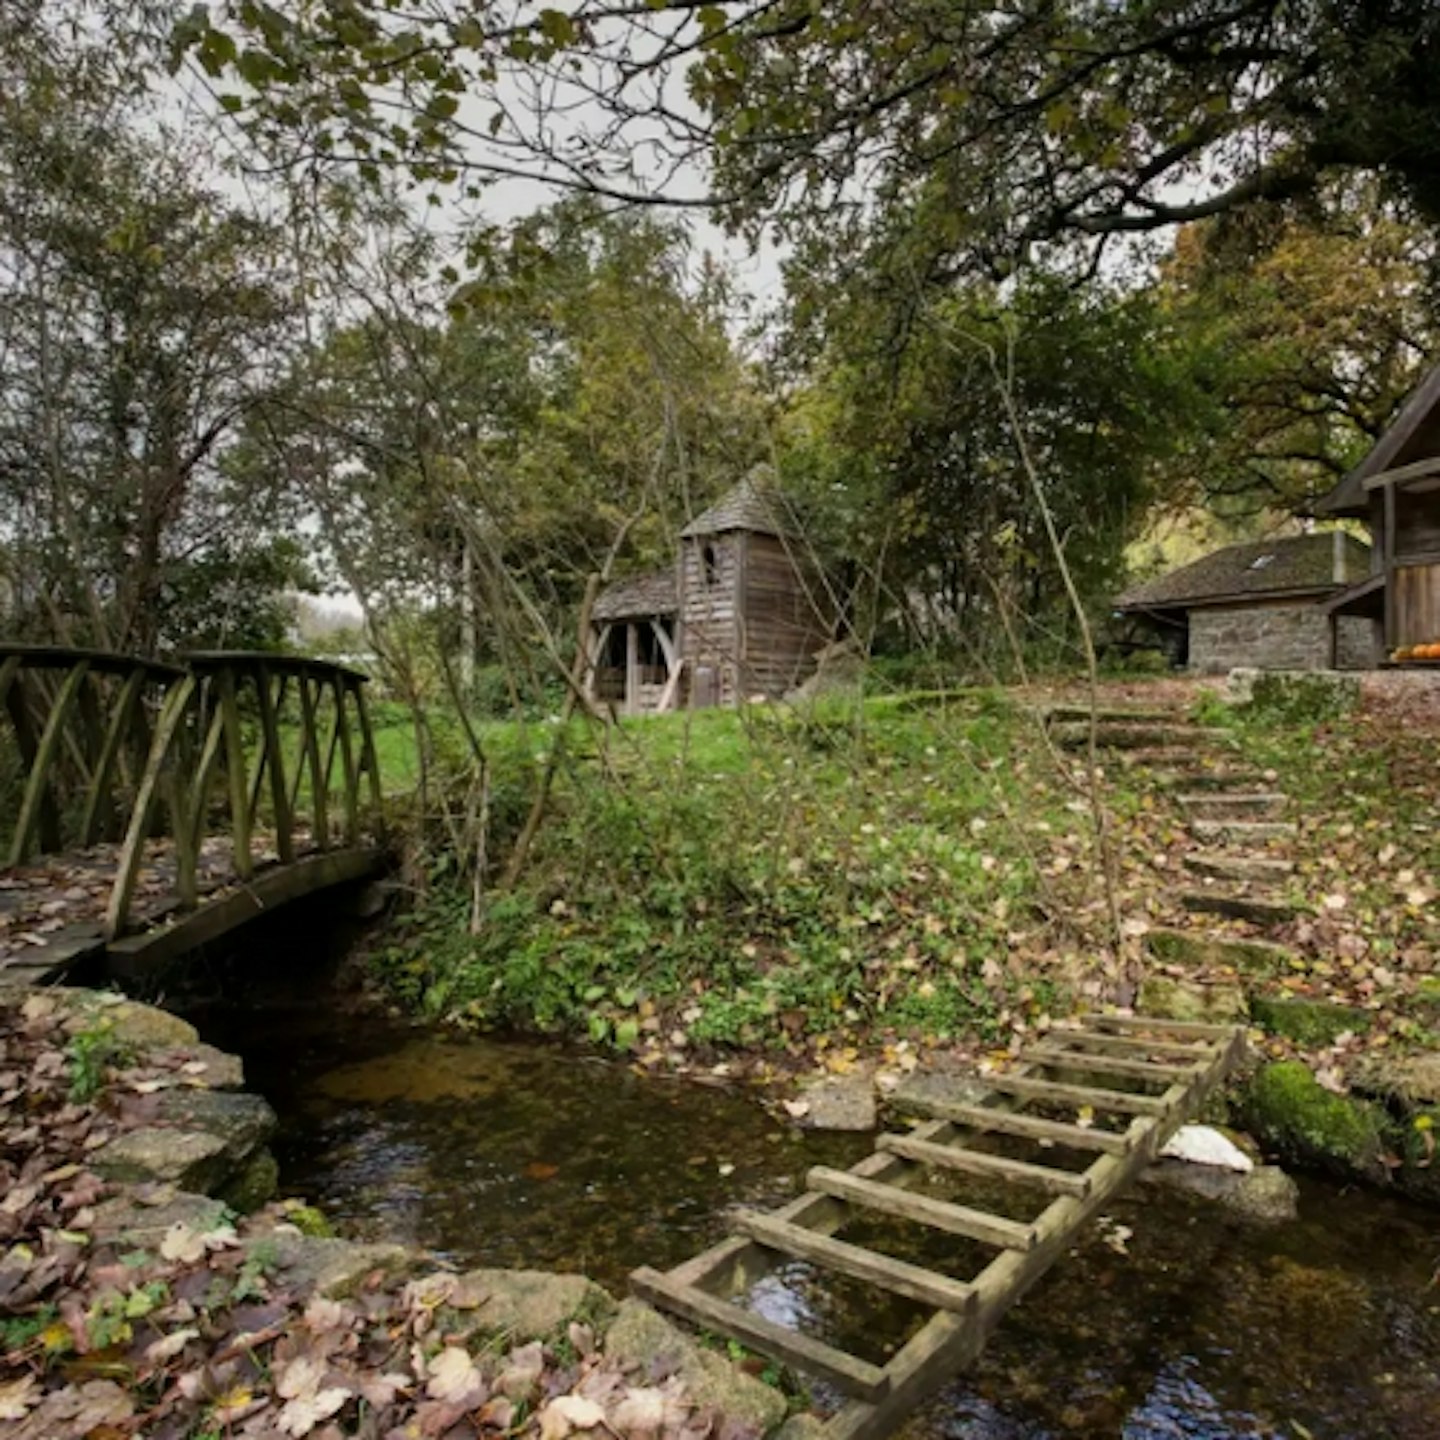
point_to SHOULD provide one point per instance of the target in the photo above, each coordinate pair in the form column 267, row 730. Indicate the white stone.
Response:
column 1202, row 1145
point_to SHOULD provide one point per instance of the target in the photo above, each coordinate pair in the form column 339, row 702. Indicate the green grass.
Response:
column 761, row 877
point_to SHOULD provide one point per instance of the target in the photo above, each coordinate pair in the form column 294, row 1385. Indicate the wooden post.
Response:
column 235, row 774
column 310, row 746
column 37, row 787
column 369, row 761
column 98, row 807
column 279, row 796
column 192, row 831
column 1392, row 639
column 133, row 850
column 632, row 668
column 347, row 762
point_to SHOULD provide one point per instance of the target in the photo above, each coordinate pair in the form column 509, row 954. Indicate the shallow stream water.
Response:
column 1169, row 1320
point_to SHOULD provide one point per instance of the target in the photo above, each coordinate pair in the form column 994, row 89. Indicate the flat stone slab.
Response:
column 921, row 1086
column 1216, row 865
column 1228, row 805
column 329, row 1267
column 840, row 1102
column 1255, row 910
column 1171, row 999
column 243, row 1122
column 1116, row 735
column 1201, row 950
column 1252, row 831
column 190, row 1159
column 124, row 1217
column 531, row 1304
column 644, row 1338
column 1415, row 1079
column 1308, row 1022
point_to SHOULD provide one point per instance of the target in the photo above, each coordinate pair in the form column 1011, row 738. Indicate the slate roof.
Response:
column 1297, row 565
column 1393, row 448
column 638, row 596
column 754, row 504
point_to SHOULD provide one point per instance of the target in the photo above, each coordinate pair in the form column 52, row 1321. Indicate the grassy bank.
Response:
column 767, row 877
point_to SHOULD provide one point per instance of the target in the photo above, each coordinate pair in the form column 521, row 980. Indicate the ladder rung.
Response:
column 938, row 1214
column 1032, row 1127
column 1200, row 1029
column 1137, row 1045
column 848, row 1373
column 913, row 1281
column 1120, row 1101
column 1108, row 1065
column 979, row 1162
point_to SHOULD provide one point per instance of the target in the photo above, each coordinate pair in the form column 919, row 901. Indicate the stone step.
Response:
column 1253, row 909
column 1075, row 735
column 1217, row 865
column 1113, row 714
column 1217, row 777
column 1253, row 832
column 1235, row 805
column 1202, row 949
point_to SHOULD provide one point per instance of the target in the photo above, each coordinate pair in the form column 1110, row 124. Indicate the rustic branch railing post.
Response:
column 110, row 746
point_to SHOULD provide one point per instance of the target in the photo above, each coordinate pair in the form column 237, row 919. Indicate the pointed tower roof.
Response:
column 754, row 504
column 1413, row 435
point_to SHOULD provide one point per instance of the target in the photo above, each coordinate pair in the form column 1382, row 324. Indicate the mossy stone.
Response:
column 1291, row 1113
column 252, row 1184
column 1308, row 1022
column 1202, row 951
column 309, row 1220
column 1172, row 999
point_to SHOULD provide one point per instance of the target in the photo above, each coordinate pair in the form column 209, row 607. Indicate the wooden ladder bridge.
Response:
column 149, row 807
column 1125, row 1085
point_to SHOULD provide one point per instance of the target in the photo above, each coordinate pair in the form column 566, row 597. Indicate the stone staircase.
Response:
column 1239, row 862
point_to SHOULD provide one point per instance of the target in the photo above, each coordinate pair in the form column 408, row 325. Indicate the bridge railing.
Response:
column 273, row 750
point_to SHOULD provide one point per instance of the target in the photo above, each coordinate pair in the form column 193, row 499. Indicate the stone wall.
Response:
column 1276, row 637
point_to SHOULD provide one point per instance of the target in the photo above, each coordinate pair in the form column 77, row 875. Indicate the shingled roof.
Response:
column 640, row 595
column 1297, row 565
column 1414, row 434
column 754, row 504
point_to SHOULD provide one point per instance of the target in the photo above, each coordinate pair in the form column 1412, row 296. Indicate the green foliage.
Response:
column 1283, row 699
column 90, row 1053
column 764, row 877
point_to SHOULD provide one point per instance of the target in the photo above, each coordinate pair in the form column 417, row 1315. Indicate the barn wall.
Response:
column 780, row 629
column 1268, row 637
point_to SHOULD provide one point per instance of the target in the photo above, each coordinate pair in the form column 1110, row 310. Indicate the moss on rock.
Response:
column 1191, row 1000
column 1291, row 1113
column 1308, row 1022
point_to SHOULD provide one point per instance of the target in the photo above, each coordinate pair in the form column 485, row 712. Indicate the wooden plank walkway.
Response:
column 1167, row 1068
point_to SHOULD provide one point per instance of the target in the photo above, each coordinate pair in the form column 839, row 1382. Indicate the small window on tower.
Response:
column 712, row 565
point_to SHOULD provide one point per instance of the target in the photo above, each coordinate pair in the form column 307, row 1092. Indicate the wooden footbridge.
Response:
column 147, row 808
column 1124, row 1086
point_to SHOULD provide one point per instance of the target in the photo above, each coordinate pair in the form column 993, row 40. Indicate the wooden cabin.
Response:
column 1395, row 490
column 1261, row 604
column 741, row 615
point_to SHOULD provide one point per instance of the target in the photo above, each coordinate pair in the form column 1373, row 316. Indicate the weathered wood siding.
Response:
column 709, row 610
column 1417, row 604
column 781, row 624
column 1417, row 525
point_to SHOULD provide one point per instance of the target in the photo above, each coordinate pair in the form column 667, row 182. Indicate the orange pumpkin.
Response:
column 1405, row 652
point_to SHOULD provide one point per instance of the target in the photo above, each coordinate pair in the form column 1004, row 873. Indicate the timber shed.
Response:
column 1262, row 604
column 1395, row 489
column 741, row 614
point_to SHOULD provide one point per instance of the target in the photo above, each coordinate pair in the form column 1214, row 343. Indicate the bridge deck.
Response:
column 1077, row 1165
column 52, row 911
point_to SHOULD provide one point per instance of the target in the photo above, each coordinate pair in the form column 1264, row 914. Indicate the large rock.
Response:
column 244, row 1122
column 532, row 1304
column 1292, row 1114
column 128, row 1023
column 1308, row 1022
column 642, row 1337
column 142, row 1223
column 188, row 1159
column 1214, row 1002
column 1410, row 1080
column 334, row 1268
column 1265, row 1194
column 921, row 1086
column 252, row 1184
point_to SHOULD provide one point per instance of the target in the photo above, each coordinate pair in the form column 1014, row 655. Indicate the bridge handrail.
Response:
column 172, row 730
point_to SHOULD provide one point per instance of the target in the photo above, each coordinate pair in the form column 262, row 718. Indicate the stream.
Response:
column 1171, row 1319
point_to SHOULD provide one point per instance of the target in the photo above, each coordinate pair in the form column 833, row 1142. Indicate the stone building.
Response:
column 1264, row 605
column 742, row 613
